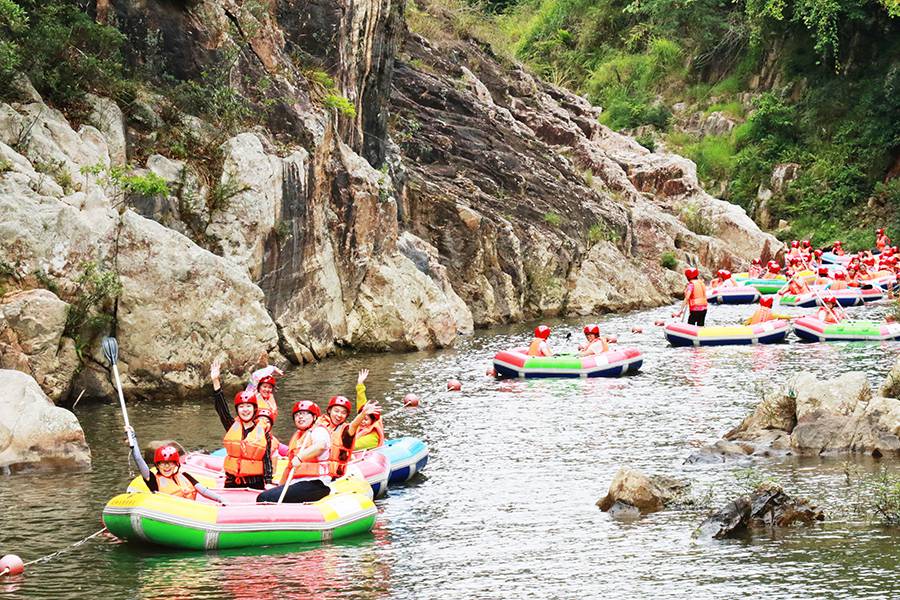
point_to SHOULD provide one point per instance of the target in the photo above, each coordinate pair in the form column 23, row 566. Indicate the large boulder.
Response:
column 646, row 493
column 35, row 435
column 766, row 507
column 31, row 328
column 809, row 415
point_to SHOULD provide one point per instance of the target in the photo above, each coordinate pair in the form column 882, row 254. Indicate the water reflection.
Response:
column 506, row 506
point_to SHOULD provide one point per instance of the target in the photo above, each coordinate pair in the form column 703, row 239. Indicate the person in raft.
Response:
column 831, row 312
column 837, row 248
column 538, row 345
column 755, row 270
column 839, row 283
column 773, row 270
column 308, row 454
column 823, row 277
column 248, row 460
column 797, row 285
column 694, row 299
column 168, row 478
column 764, row 312
column 723, row 280
column 882, row 241
column 343, row 433
column 371, row 431
column 595, row 343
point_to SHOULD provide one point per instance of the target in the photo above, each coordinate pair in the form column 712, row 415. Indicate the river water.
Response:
column 505, row 507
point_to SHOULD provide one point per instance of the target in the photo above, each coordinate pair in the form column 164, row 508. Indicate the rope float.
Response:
column 11, row 564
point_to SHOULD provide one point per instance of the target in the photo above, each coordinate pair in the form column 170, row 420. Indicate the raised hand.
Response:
column 361, row 378
column 215, row 370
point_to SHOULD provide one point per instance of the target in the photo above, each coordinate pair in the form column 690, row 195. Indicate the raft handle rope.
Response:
column 59, row 552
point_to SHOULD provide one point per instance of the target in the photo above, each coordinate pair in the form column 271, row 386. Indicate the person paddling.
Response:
column 168, row 478
column 248, row 461
column 831, row 312
column 773, row 270
column 755, row 269
column 539, row 345
column 723, row 280
column 764, row 312
column 882, row 241
column 371, row 431
column 308, row 453
column 694, row 299
column 823, row 279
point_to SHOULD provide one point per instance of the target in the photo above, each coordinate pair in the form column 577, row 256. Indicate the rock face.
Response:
column 437, row 199
column 767, row 507
column 31, row 339
column 34, row 434
column 647, row 494
column 812, row 416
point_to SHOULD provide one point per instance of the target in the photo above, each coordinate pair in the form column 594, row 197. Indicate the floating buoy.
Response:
column 612, row 339
column 659, row 322
column 454, row 385
column 410, row 400
column 637, row 329
column 490, row 372
column 11, row 565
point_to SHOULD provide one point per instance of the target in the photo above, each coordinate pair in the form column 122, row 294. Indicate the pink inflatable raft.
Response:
column 614, row 363
column 372, row 466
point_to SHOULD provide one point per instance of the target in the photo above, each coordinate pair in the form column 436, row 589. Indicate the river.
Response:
column 505, row 507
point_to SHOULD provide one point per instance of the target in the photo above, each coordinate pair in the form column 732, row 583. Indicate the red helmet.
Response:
column 267, row 379
column 542, row 331
column 245, row 397
column 806, row 243
column 755, row 261
column 879, row 231
column 340, row 401
column 839, row 275
column 692, row 273
column 166, row 454
column 829, row 300
column 818, row 253
column 870, row 261
column 795, row 260
column 837, row 243
column 306, row 406
column 766, row 301
column 592, row 329
column 774, row 267
column 795, row 244
column 823, row 271
column 265, row 412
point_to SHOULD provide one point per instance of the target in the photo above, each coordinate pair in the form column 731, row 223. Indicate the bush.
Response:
column 553, row 219
column 714, row 155
column 668, row 261
column 647, row 140
column 96, row 287
column 62, row 50
column 341, row 104
column 695, row 220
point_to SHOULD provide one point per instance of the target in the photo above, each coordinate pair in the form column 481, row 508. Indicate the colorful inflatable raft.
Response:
column 811, row 329
column 765, row 286
column 770, row 332
column 742, row 294
column 834, row 259
column 407, row 456
column 614, row 363
column 201, row 524
column 372, row 466
column 848, row 297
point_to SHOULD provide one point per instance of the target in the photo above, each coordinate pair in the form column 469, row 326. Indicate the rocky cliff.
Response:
column 294, row 179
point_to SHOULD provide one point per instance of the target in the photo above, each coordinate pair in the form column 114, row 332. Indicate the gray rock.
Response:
column 647, row 494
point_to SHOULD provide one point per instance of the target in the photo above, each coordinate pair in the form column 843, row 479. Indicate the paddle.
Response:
column 287, row 483
column 111, row 351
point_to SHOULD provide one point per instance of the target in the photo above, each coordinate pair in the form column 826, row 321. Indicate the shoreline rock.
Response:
column 631, row 489
column 767, row 507
column 35, row 435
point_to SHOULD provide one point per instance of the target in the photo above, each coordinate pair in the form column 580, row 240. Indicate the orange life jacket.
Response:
column 377, row 428
column 308, row 467
column 761, row 315
column 177, row 485
column 339, row 454
column 697, row 300
column 269, row 405
column 829, row 316
column 882, row 241
column 534, row 349
column 244, row 454
column 823, row 281
column 797, row 287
